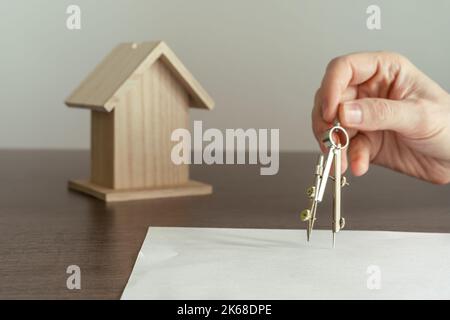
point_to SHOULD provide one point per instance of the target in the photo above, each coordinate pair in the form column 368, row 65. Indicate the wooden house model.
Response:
column 138, row 95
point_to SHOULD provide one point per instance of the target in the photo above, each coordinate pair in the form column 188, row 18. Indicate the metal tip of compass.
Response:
column 334, row 239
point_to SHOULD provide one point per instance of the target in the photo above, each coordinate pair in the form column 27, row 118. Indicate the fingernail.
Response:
column 352, row 113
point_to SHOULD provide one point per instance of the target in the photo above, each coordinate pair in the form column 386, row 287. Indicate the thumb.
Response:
column 371, row 114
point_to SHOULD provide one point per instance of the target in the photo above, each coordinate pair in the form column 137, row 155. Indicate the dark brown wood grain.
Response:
column 44, row 227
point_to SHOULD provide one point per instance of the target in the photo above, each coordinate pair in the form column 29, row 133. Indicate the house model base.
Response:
column 191, row 188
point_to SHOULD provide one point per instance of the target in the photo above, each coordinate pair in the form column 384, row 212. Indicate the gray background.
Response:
column 260, row 60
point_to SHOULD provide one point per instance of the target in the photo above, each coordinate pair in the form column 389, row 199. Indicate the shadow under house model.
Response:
column 138, row 95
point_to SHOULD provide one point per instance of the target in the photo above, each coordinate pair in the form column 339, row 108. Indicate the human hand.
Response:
column 395, row 115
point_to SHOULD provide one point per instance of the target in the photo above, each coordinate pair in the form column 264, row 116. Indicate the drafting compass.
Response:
column 336, row 139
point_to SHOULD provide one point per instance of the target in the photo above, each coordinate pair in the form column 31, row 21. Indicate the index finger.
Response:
column 342, row 72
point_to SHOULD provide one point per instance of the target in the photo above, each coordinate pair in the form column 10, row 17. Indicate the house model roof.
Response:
column 110, row 77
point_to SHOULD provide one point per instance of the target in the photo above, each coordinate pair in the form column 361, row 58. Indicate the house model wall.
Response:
column 138, row 95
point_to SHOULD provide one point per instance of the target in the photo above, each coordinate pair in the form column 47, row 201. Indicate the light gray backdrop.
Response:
column 260, row 60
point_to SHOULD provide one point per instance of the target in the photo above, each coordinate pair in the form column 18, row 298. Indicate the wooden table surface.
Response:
column 44, row 227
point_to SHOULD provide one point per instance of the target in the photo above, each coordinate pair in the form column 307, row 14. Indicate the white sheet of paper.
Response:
column 206, row 263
